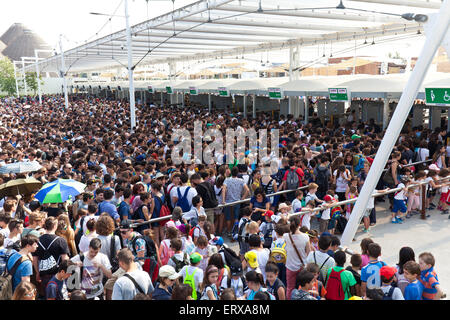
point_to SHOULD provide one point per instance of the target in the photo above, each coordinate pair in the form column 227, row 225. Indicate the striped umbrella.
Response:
column 59, row 191
column 20, row 167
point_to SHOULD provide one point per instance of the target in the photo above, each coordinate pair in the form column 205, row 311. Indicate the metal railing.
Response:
column 221, row 206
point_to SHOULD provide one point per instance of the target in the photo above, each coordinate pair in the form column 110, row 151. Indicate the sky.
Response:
column 50, row 18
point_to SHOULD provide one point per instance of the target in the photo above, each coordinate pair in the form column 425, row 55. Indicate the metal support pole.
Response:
column 245, row 105
column 24, row 77
column 15, row 77
column 209, row 102
column 385, row 112
column 399, row 117
column 130, row 69
column 254, row 106
column 448, row 121
column 63, row 73
column 162, row 95
column 37, row 77
column 306, row 109
column 423, row 215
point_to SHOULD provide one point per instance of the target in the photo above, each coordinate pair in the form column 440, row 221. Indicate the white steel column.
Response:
column 245, row 105
column 37, row 77
column 399, row 117
column 130, row 69
column 209, row 102
column 63, row 73
column 306, row 109
column 24, row 77
column 15, row 77
column 254, row 106
column 385, row 112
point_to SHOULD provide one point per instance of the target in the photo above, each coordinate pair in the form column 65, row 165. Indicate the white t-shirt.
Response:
column 320, row 258
column 262, row 256
column 92, row 277
column 296, row 205
column 124, row 288
column 198, row 276
column 85, row 221
column 191, row 193
column 301, row 240
column 326, row 214
column 7, row 242
column 400, row 195
column 424, row 153
column 306, row 220
column 85, row 240
column 341, row 182
column 396, row 295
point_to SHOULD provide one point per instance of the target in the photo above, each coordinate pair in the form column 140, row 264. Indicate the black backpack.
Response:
column 240, row 236
column 268, row 236
column 79, row 234
column 231, row 258
column 388, row 295
column 179, row 264
column 322, row 179
column 208, row 196
column 113, row 255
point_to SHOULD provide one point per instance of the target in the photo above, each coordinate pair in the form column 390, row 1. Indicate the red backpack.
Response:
column 334, row 288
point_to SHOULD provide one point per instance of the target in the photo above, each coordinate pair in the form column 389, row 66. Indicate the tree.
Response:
column 7, row 80
column 31, row 79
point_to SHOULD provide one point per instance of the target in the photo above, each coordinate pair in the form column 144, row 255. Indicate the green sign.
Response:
column 438, row 96
column 275, row 93
column 223, row 92
column 193, row 91
column 150, row 89
column 338, row 94
column 169, row 90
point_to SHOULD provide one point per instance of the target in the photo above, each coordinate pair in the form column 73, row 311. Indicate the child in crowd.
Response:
column 305, row 219
column 208, row 287
column 199, row 230
column 326, row 213
column 297, row 203
column 352, row 193
column 312, row 189
column 428, row 277
column 364, row 251
column 236, row 282
column 180, row 258
column 283, row 210
column 318, row 289
column 445, row 194
column 202, row 248
column 399, row 201
column 278, row 251
column 414, row 290
column 267, row 228
column 274, row 285
column 355, row 269
column 313, row 239
column 255, row 283
column 251, row 262
column 370, row 274
column 304, row 282
column 192, row 275
column 243, row 231
column 414, row 201
column 387, row 275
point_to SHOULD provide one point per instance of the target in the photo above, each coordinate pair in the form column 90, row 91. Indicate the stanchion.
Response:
column 424, row 202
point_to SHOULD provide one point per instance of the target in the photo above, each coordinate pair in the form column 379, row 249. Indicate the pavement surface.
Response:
column 430, row 235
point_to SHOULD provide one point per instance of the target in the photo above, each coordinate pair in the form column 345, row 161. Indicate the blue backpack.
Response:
column 183, row 202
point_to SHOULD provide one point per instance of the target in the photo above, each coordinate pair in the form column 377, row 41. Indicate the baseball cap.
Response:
column 252, row 259
column 236, row 270
column 434, row 167
column 218, row 241
column 388, row 272
column 195, row 258
column 181, row 227
column 355, row 136
column 125, row 224
column 268, row 213
column 168, row 272
column 327, row 198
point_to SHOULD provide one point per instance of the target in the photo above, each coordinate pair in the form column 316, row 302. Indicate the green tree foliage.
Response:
column 31, row 79
column 7, row 80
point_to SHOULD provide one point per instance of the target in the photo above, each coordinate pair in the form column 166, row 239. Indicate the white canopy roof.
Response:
column 221, row 28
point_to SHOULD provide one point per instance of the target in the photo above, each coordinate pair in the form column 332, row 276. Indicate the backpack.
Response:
column 191, row 232
column 150, row 257
column 240, row 234
column 231, row 258
column 113, row 255
column 292, row 180
column 341, row 224
column 179, row 264
column 163, row 212
column 388, row 295
column 48, row 264
column 190, row 280
column 244, row 283
column 79, row 233
column 14, row 246
column 183, row 202
column 6, row 279
column 209, row 196
column 358, row 162
column 322, row 179
column 268, row 236
column 278, row 253
column 334, row 288
column 235, row 230
column 4, row 256
column 320, row 277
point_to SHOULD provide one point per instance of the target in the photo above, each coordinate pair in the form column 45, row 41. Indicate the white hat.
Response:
column 282, row 206
column 434, row 167
column 168, row 272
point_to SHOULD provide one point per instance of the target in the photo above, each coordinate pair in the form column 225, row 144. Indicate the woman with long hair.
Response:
column 439, row 157
column 218, row 213
column 406, row 254
column 65, row 231
column 25, row 291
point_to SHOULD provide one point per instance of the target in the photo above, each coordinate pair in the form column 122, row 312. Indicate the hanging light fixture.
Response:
column 340, row 5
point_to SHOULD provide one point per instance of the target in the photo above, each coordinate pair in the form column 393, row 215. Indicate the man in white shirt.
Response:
column 191, row 193
column 134, row 280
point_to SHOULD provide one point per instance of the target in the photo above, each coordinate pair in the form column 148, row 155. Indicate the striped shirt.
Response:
column 429, row 280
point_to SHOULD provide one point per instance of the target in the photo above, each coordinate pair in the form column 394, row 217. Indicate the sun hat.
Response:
column 168, row 272
column 282, row 206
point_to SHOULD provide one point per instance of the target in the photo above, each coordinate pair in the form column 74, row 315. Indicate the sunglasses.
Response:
column 30, row 294
column 124, row 231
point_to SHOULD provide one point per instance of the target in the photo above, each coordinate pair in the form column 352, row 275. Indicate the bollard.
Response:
column 424, row 201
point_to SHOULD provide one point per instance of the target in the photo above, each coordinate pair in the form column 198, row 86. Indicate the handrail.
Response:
column 283, row 192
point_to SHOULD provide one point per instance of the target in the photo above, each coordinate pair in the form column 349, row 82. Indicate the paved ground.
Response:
column 422, row 235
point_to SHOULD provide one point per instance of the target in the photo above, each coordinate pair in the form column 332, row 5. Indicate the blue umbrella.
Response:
column 59, row 191
column 20, row 167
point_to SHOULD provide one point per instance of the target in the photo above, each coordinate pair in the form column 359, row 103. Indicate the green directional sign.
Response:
column 169, row 90
column 223, row 92
column 150, row 89
column 193, row 91
column 438, row 96
column 339, row 94
column 275, row 93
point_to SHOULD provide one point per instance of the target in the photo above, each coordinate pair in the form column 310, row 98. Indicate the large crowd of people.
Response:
column 102, row 244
